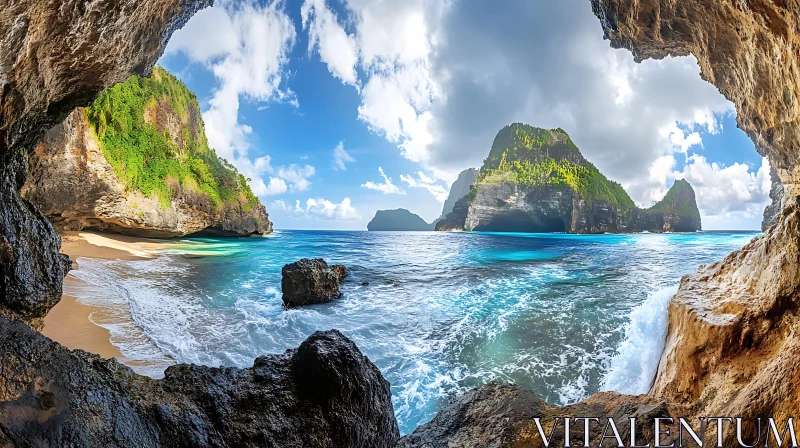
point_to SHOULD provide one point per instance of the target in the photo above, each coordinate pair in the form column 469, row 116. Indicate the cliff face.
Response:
column 398, row 220
column 87, row 173
column 773, row 210
column 459, row 189
column 536, row 180
column 52, row 58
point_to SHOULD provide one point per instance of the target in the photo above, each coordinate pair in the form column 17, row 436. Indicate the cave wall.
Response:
column 747, row 49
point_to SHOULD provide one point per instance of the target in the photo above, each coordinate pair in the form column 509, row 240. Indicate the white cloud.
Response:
column 245, row 45
column 725, row 190
column 327, row 209
column 386, row 187
column 393, row 43
column 336, row 48
column 341, row 158
column 438, row 191
column 318, row 208
column 297, row 176
column 276, row 186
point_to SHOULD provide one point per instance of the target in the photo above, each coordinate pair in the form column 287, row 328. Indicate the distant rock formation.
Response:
column 137, row 162
column 397, row 220
column 459, row 189
column 773, row 210
column 311, row 281
column 536, row 180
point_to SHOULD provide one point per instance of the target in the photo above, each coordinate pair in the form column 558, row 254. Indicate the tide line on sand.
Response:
column 72, row 323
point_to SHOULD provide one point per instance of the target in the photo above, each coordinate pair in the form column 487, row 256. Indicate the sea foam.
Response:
column 634, row 367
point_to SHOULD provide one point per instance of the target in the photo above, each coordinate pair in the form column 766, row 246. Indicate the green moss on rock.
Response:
column 156, row 161
column 534, row 156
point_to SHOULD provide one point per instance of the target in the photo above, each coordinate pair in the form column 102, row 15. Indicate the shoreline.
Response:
column 71, row 322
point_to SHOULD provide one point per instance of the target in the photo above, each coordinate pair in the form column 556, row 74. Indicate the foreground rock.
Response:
column 311, row 281
column 536, row 180
column 324, row 393
column 84, row 175
column 501, row 415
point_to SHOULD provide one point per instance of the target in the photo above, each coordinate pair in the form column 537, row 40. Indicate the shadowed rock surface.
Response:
column 773, row 210
column 323, row 394
column 459, row 189
column 311, row 281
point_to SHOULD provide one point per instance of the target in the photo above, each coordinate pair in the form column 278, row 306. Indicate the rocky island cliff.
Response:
column 536, row 180
column 137, row 162
column 398, row 220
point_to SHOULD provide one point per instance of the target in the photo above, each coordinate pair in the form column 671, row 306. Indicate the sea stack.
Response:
column 398, row 220
column 537, row 180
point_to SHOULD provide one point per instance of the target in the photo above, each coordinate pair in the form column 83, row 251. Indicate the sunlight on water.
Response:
column 564, row 315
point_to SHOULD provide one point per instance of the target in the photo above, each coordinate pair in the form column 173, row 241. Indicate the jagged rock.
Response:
column 501, row 415
column 398, row 220
column 773, row 210
column 311, row 281
column 324, row 393
column 459, row 189
column 73, row 184
column 528, row 184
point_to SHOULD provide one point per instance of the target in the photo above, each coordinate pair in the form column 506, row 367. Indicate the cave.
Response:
column 522, row 222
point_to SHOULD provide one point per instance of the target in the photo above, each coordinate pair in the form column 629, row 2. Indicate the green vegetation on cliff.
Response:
column 535, row 156
column 679, row 200
column 152, row 134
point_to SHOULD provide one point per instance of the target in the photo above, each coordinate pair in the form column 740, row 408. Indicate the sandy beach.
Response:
column 70, row 322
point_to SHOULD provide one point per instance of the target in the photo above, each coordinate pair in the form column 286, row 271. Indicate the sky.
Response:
column 338, row 108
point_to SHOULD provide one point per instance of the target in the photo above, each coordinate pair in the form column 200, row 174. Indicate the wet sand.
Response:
column 70, row 321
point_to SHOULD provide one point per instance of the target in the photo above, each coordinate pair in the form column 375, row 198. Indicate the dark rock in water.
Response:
column 340, row 271
column 364, row 283
column 399, row 220
column 325, row 393
column 311, row 281
column 774, row 209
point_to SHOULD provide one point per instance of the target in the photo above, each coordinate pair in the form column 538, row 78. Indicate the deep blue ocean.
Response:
column 564, row 315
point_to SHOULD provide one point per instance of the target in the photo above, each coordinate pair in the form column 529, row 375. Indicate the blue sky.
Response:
column 419, row 88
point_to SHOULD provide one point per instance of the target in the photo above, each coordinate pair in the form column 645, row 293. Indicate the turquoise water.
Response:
column 564, row 315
